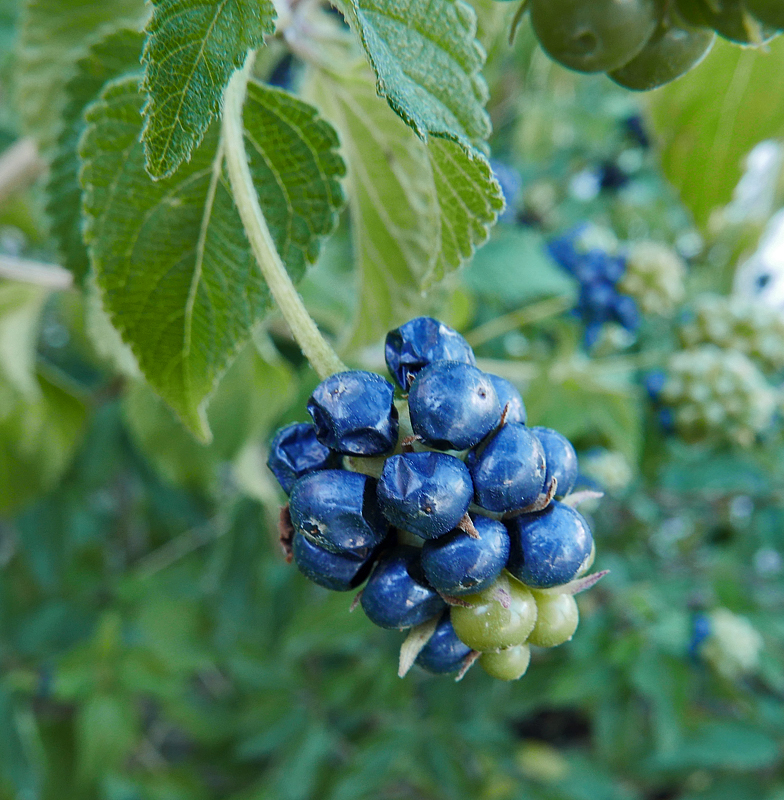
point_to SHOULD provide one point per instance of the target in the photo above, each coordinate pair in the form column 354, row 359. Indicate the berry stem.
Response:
column 314, row 346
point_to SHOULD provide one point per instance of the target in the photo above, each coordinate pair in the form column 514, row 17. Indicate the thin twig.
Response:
column 50, row 276
column 535, row 312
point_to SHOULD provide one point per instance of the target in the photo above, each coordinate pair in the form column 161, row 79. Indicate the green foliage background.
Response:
column 154, row 644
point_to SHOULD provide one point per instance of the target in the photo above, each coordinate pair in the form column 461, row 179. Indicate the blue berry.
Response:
column 626, row 312
column 397, row 594
column 453, row 405
column 509, row 471
column 425, row 493
column 420, row 342
column 654, row 382
column 509, row 398
column 511, row 186
column 339, row 572
column 701, row 629
column 295, row 451
column 549, row 548
column 338, row 511
column 458, row 564
column 560, row 459
column 444, row 652
column 564, row 249
column 354, row 413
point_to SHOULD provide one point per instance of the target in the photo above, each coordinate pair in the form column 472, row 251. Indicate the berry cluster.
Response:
column 642, row 44
column 443, row 500
column 714, row 394
column 591, row 256
column 736, row 323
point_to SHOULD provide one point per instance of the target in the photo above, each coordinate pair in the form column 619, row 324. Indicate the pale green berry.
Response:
column 507, row 665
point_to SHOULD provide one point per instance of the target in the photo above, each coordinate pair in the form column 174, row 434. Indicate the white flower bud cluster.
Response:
column 733, row 645
column 655, row 277
column 741, row 324
column 718, row 394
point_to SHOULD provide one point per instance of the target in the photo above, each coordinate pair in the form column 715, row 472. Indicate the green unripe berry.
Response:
column 556, row 620
column 499, row 617
column 507, row 665
column 671, row 52
column 593, row 36
column 769, row 12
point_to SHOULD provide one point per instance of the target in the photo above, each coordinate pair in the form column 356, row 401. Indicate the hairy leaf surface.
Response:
column 171, row 257
column 427, row 61
column 192, row 50
column 417, row 212
column 54, row 34
column 115, row 55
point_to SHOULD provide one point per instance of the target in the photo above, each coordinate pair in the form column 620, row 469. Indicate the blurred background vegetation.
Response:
column 154, row 644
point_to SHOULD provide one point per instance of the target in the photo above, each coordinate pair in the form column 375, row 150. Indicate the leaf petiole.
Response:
column 314, row 346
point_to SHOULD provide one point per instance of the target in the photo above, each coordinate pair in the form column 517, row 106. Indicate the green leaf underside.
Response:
column 417, row 212
column 704, row 134
column 394, row 210
column 171, row 257
column 117, row 54
column 38, row 439
column 426, row 62
column 20, row 312
column 192, row 49
column 52, row 38
column 469, row 199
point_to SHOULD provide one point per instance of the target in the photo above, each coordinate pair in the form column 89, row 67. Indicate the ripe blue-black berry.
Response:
column 420, row 342
column 510, row 399
column 549, row 548
column 354, row 413
column 295, row 451
column 509, row 470
column 397, row 594
column 453, row 405
column 338, row 511
column 560, row 459
column 340, row 572
column 444, row 652
column 425, row 493
column 458, row 564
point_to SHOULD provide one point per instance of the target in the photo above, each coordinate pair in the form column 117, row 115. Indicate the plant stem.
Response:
column 314, row 347
column 536, row 312
column 50, row 276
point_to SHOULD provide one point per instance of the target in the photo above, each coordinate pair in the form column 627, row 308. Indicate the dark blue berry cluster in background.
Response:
column 597, row 273
column 429, row 490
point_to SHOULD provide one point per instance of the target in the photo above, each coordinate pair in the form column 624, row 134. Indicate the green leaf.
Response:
column 723, row 745
column 702, row 121
column 53, row 36
column 514, row 269
column 426, row 62
column 171, row 257
column 37, row 441
column 469, row 200
column 246, row 402
column 115, row 55
column 192, row 49
column 588, row 411
column 417, row 213
column 106, row 731
column 20, row 312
